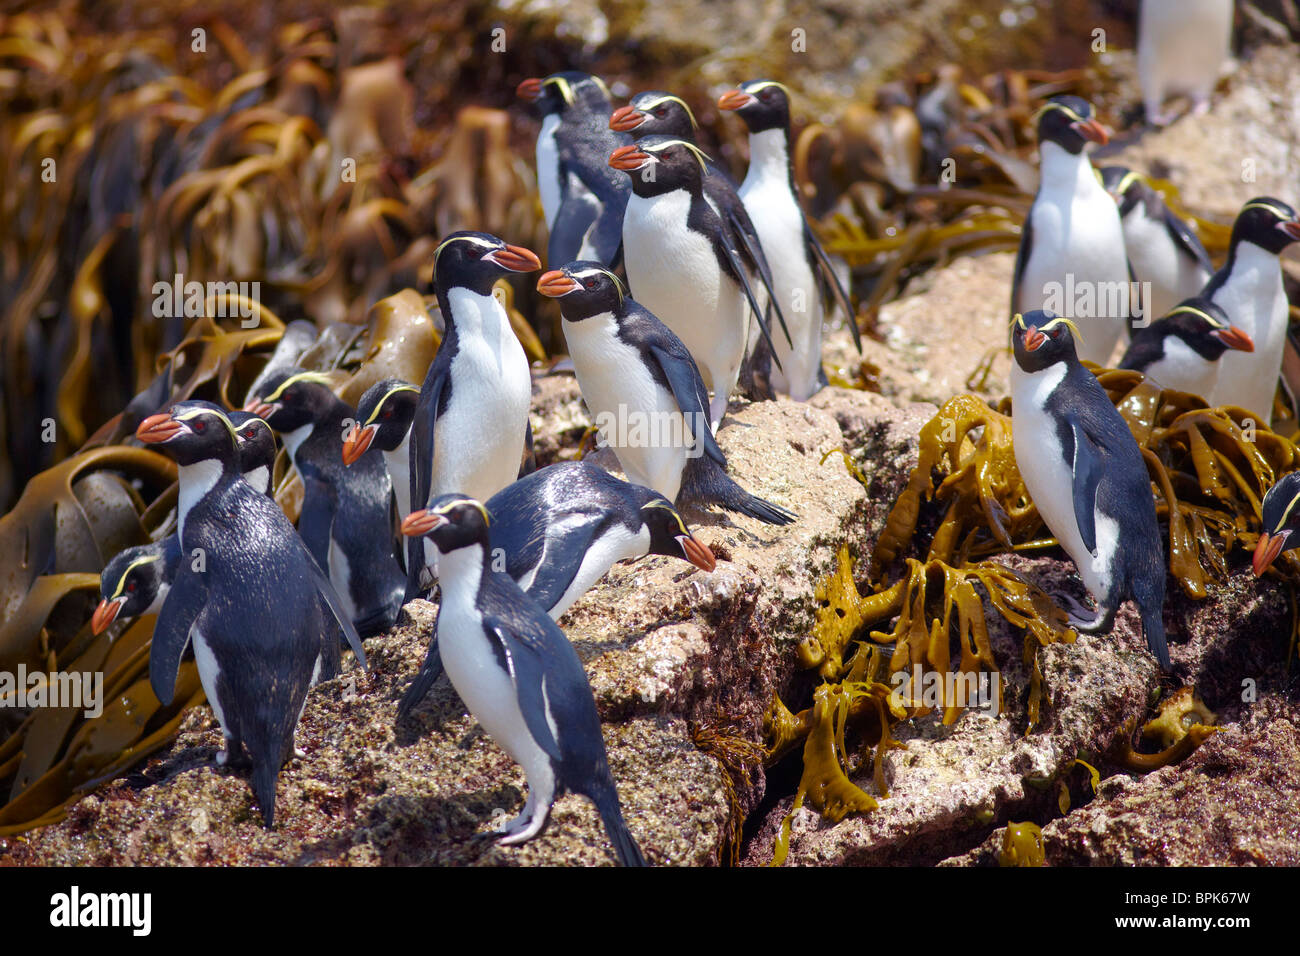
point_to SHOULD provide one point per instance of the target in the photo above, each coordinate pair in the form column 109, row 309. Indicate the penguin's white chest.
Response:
column 1049, row 477
column 473, row 666
column 209, row 672
column 673, row 272
column 1255, row 301
column 399, row 473
column 548, row 168
column 196, row 481
column 779, row 223
column 1174, row 275
column 636, row 416
column 1181, row 46
column 479, row 439
column 616, row 544
column 1183, row 369
column 1076, row 265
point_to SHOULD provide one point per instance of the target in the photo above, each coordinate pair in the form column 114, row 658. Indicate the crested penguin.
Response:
column 1072, row 259
column 471, row 420
column 136, row 582
column 519, row 676
column 1182, row 350
column 1087, row 478
column 384, row 418
column 1249, row 289
column 1182, row 44
column 1280, row 519
column 1163, row 250
column 800, row 267
column 252, row 608
column 645, row 392
column 345, row 520
column 559, row 530
column 687, row 262
column 582, row 199
column 256, row 449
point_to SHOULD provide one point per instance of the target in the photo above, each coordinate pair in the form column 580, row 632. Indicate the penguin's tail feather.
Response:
column 265, row 773
column 424, row 681
column 1149, row 595
column 704, row 482
column 611, row 814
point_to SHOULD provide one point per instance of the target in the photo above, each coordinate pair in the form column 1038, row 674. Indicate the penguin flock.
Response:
column 676, row 287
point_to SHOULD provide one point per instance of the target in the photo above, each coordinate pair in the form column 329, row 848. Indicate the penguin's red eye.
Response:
column 131, row 586
column 590, row 283
column 388, row 411
column 661, row 111
column 200, row 426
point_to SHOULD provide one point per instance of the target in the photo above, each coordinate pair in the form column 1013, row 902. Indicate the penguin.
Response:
column 518, row 675
column 252, row 608
column 1162, row 249
column 646, row 393
column 383, row 418
column 1182, row 44
column 136, row 582
column 1071, row 258
column 582, row 200
column 345, row 520
column 1182, row 350
column 471, row 420
column 1280, row 519
column 1087, row 478
column 688, row 263
column 800, row 267
column 560, row 529
column 1249, row 289
column 656, row 113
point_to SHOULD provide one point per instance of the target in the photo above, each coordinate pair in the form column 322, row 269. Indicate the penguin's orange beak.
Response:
column 258, row 407
column 1033, row 339
column 626, row 119
column 735, row 99
column 1267, row 551
column 105, row 614
column 628, row 158
column 515, row 258
column 357, row 442
column 697, row 552
column 1091, row 130
column 555, row 283
column 1235, row 338
column 421, row 522
column 530, row 89
column 1291, row 228
column 159, row 428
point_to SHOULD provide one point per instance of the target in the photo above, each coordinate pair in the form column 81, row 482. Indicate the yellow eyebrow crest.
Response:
column 669, row 98
column 700, row 156
column 138, row 562
column 318, row 378
column 566, row 90
column 758, row 85
column 464, row 501
column 387, row 395
column 1191, row 310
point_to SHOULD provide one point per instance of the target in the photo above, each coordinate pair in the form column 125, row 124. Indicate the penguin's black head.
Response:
column 476, row 260
column 584, row 289
column 1205, row 328
column 1268, row 223
column 561, row 92
column 256, row 442
column 1126, row 187
column 452, row 521
column 128, row 585
column 762, row 104
column 292, row 399
column 661, row 164
column 384, row 417
column 669, row 535
column 191, row 432
column 1068, row 121
column 655, row 113
column 1041, row 339
column 1281, row 521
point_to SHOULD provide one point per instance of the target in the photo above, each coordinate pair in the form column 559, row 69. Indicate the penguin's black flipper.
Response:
column 611, row 814
column 578, row 213
column 185, row 602
column 421, row 465
column 1022, row 260
column 688, row 388
column 752, row 249
column 525, row 659
column 335, row 604
column 738, row 273
column 1182, row 234
column 833, row 281
column 425, row 678
column 561, row 559
column 529, row 464
column 317, row 516
column 1088, row 469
